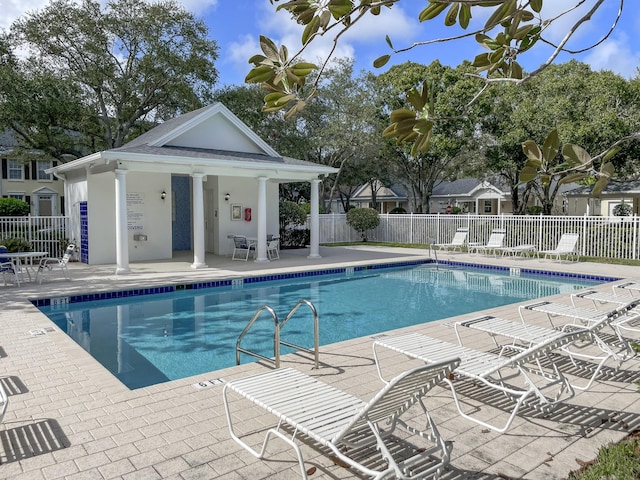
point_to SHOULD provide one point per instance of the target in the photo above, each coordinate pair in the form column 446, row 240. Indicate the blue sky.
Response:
column 237, row 24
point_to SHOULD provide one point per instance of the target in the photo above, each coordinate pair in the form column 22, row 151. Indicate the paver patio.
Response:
column 69, row 418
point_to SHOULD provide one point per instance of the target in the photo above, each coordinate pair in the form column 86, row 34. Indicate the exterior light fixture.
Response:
column 163, row 195
column 227, row 196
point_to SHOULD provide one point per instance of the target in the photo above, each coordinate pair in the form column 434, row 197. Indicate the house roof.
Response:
column 613, row 188
column 395, row 192
column 210, row 141
column 468, row 187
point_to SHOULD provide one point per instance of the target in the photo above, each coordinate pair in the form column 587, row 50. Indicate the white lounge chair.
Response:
column 529, row 335
column 457, row 242
column 343, row 423
column 49, row 264
column 493, row 245
column 624, row 326
column 490, row 369
column 566, row 247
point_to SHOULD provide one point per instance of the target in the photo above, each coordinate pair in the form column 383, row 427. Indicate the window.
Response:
column 17, row 196
column 16, row 170
column 42, row 166
column 487, row 206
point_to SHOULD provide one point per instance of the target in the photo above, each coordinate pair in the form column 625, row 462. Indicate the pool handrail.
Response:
column 276, row 334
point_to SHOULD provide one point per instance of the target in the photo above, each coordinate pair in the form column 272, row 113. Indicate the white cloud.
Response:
column 615, row 55
column 13, row 9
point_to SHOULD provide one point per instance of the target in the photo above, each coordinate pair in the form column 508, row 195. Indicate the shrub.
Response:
column 363, row 220
column 622, row 210
column 12, row 207
column 534, row 209
column 16, row 244
column 398, row 210
column 292, row 220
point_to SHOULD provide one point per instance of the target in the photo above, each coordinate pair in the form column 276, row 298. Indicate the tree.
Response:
column 131, row 63
column 446, row 94
column 511, row 29
column 575, row 101
column 362, row 220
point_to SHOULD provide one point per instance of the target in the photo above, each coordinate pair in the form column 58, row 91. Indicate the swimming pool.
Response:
column 149, row 339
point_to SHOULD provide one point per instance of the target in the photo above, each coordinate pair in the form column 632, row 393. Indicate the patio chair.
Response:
column 566, row 247
column 242, row 248
column 457, row 242
column 354, row 431
column 530, row 335
column 49, row 264
column 273, row 250
column 7, row 267
column 624, row 325
column 491, row 370
column 493, row 245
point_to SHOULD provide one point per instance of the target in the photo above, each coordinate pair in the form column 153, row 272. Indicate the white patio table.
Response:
column 24, row 261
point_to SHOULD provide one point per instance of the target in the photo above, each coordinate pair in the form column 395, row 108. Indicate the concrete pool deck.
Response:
column 69, row 418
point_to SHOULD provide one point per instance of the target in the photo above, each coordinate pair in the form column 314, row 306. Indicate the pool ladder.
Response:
column 277, row 342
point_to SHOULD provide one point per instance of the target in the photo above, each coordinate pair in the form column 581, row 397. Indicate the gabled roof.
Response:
column 613, row 188
column 469, row 186
column 210, row 140
column 395, row 192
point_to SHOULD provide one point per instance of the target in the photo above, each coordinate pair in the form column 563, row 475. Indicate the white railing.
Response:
column 43, row 234
column 606, row 237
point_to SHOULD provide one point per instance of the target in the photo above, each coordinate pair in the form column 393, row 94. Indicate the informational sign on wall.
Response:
column 135, row 212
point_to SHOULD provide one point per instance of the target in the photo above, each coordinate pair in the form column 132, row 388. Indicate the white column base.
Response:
column 196, row 266
column 123, row 271
column 314, row 256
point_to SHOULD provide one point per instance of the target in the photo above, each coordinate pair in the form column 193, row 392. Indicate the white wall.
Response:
column 155, row 217
column 244, row 192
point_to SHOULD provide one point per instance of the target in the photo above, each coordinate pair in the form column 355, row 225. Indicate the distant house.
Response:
column 581, row 202
column 484, row 197
column 471, row 195
column 29, row 181
column 387, row 198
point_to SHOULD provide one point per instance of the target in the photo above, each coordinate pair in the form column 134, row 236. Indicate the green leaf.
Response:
column 532, row 151
column 465, row 15
column 381, row 61
column 610, row 153
column 388, row 40
column 269, row 48
column 599, row 186
column 551, row 146
column 576, row 156
column 481, row 60
column 452, row 15
column 527, row 174
column 500, row 13
column 340, row 8
column 516, row 70
column 431, row 12
column 311, row 28
column 259, row 75
column 402, row 114
column 608, row 169
column 536, row 5
column 574, row 177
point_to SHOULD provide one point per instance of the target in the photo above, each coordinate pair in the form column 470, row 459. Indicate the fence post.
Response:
column 411, row 229
column 584, row 234
column 540, row 232
column 634, row 243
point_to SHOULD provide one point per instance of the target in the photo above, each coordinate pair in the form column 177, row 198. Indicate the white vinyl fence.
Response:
column 44, row 234
column 607, row 237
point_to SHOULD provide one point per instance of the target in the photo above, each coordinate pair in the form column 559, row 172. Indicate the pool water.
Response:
column 150, row 339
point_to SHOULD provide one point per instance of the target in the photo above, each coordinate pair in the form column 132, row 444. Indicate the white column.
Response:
column 122, row 237
column 261, row 247
column 314, row 225
column 198, row 221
